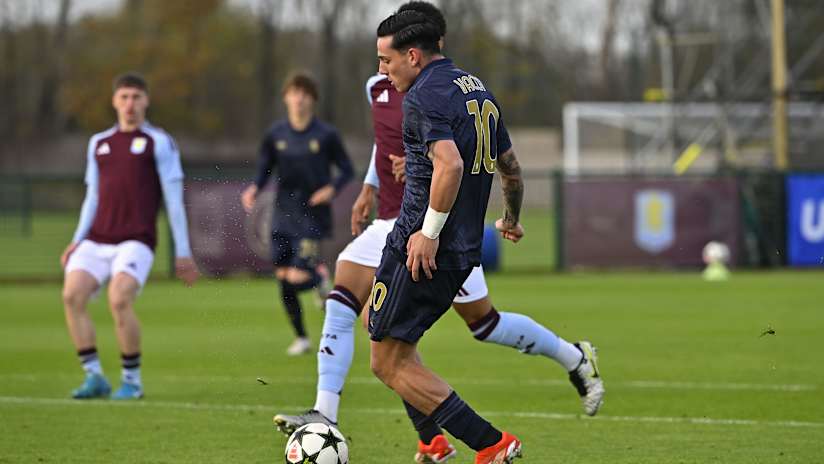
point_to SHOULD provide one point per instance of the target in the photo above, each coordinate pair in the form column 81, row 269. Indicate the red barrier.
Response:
column 612, row 222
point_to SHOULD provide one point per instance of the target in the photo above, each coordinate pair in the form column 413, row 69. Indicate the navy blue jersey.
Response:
column 303, row 160
column 446, row 103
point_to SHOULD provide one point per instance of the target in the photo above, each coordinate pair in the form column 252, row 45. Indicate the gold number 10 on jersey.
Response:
column 379, row 293
column 483, row 144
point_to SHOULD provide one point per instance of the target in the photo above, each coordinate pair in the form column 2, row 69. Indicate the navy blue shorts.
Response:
column 403, row 309
column 291, row 251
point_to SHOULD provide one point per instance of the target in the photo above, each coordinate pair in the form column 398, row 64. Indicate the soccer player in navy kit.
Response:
column 454, row 141
column 128, row 169
column 302, row 149
column 356, row 265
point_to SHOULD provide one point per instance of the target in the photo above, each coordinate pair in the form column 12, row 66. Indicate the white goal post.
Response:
column 639, row 137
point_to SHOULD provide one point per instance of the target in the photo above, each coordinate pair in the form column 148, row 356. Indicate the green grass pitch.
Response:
column 689, row 378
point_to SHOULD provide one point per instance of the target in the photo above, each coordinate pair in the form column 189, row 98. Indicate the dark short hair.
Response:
column 411, row 29
column 431, row 11
column 301, row 80
column 130, row 79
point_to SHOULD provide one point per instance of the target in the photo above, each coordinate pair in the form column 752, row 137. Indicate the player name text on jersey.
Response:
column 469, row 83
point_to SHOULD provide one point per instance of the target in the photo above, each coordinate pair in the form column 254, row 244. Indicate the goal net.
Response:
column 678, row 138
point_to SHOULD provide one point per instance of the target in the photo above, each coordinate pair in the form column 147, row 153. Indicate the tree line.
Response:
column 215, row 66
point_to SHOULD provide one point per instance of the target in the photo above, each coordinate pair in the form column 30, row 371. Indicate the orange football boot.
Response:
column 439, row 450
column 503, row 452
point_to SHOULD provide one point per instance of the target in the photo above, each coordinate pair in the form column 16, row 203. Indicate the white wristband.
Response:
column 433, row 223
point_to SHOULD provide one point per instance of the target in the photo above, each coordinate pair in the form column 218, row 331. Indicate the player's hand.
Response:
column 248, row 198
column 421, row 252
column 511, row 232
column 186, row 270
column 362, row 208
column 398, row 167
column 322, row 196
column 64, row 258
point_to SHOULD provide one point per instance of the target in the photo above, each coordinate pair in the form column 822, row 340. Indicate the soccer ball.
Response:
column 317, row 443
column 716, row 252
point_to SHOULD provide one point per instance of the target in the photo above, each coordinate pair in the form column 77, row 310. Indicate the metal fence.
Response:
column 562, row 215
column 38, row 216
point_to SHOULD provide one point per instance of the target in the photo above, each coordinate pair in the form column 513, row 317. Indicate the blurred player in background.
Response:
column 128, row 169
column 303, row 150
column 356, row 269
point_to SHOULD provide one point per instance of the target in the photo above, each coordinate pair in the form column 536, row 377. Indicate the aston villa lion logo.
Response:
column 654, row 220
column 138, row 145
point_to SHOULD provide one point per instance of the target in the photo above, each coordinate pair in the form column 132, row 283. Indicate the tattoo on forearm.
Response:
column 513, row 186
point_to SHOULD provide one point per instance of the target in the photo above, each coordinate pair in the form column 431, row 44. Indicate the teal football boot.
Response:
column 94, row 386
column 128, row 391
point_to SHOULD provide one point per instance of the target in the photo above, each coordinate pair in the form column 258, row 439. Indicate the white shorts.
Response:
column 103, row 260
column 366, row 249
column 473, row 288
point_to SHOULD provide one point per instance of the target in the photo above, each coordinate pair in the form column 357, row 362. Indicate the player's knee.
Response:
column 73, row 299
column 297, row 276
column 119, row 303
column 382, row 369
column 389, row 366
column 354, row 278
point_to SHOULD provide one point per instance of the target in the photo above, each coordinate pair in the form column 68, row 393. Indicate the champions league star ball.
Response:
column 716, row 252
column 317, row 443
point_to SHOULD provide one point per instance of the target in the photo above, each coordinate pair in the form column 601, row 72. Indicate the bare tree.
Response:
column 8, row 89
column 607, row 42
column 48, row 113
column 134, row 16
column 329, row 12
column 269, row 12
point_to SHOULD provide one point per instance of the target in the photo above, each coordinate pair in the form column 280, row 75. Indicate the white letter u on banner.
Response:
column 811, row 230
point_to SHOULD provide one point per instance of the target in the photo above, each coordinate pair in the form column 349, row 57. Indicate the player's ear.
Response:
column 414, row 56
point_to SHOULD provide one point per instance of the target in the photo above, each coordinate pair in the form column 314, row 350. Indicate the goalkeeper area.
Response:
column 655, row 138
column 695, row 372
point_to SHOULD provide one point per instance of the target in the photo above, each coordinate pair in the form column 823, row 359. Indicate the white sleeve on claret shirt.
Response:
column 170, row 171
column 89, row 208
